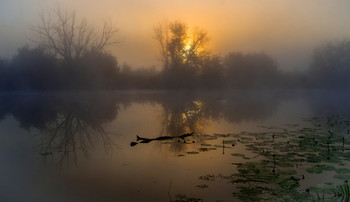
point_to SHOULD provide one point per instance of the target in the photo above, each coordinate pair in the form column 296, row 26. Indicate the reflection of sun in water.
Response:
column 193, row 117
column 194, row 109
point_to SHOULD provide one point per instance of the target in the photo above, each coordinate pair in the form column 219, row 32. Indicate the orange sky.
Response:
column 288, row 30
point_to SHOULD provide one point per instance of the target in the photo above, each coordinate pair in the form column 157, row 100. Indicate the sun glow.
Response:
column 188, row 45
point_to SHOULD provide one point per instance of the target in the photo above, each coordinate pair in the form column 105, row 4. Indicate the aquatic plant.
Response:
column 184, row 198
column 344, row 191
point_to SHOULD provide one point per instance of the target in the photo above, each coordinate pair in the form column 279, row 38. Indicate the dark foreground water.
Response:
column 247, row 145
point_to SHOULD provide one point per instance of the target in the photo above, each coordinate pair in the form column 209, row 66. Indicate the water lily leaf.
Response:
column 208, row 177
column 192, row 152
column 317, row 169
column 289, row 183
column 342, row 176
column 342, row 170
column 184, row 198
column 240, row 155
column 204, row 149
column 323, row 189
column 202, row 186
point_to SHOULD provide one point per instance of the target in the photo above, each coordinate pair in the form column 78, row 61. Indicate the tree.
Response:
column 34, row 69
column 3, row 75
column 330, row 65
column 95, row 70
column 161, row 34
column 179, row 47
column 253, row 70
column 212, row 73
column 183, row 53
column 69, row 38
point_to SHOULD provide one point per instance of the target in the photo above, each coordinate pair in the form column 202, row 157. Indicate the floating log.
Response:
column 147, row 140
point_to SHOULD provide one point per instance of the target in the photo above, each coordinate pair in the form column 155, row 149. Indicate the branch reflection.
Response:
column 69, row 125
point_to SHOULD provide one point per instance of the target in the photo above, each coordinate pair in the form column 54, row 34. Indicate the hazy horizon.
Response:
column 288, row 31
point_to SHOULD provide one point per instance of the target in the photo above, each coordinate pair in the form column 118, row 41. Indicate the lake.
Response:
column 246, row 145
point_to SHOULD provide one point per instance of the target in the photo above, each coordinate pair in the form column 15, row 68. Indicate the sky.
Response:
column 287, row 30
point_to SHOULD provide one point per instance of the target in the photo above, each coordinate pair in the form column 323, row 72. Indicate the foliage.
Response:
column 71, row 56
column 184, row 198
column 251, row 70
column 319, row 169
column 271, row 171
column 330, row 65
column 344, row 191
column 38, row 69
column 33, row 69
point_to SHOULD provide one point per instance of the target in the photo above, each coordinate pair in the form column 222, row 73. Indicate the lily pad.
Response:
column 342, row 176
column 192, row 152
column 323, row 189
column 202, row 186
column 240, row 155
column 204, row 149
column 184, row 198
column 208, row 177
column 289, row 183
column 342, row 170
column 317, row 169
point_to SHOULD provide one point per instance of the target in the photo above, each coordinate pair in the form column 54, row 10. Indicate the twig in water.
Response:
column 223, row 147
column 169, row 190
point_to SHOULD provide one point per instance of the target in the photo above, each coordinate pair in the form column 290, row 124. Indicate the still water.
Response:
column 246, row 145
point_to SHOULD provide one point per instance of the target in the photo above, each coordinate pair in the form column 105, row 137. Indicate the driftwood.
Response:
column 147, row 140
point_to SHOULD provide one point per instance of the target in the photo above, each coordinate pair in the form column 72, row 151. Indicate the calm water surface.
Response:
column 77, row 146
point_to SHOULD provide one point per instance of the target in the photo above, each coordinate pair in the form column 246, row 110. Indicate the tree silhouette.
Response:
column 212, row 73
column 330, row 65
column 253, row 70
column 4, row 75
column 179, row 46
column 34, row 69
column 69, row 38
column 183, row 53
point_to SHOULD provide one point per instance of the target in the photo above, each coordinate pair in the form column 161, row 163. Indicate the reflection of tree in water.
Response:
column 181, row 114
column 75, row 121
column 186, row 113
column 73, row 132
column 182, row 118
column 68, row 124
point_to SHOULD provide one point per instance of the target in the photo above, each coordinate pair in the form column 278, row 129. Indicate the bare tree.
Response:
column 69, row 38
column 161, row 34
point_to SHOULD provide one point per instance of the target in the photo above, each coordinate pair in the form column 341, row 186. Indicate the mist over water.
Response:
column 77, row 145
column 183, row 100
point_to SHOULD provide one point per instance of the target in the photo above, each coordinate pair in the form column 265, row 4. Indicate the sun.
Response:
column 188, row 45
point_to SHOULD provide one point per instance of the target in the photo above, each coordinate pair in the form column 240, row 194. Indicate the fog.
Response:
column 288, row 31
column 189, row 82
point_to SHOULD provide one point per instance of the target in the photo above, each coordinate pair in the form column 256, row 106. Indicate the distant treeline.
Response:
column 38, row 69
column 71, row 55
